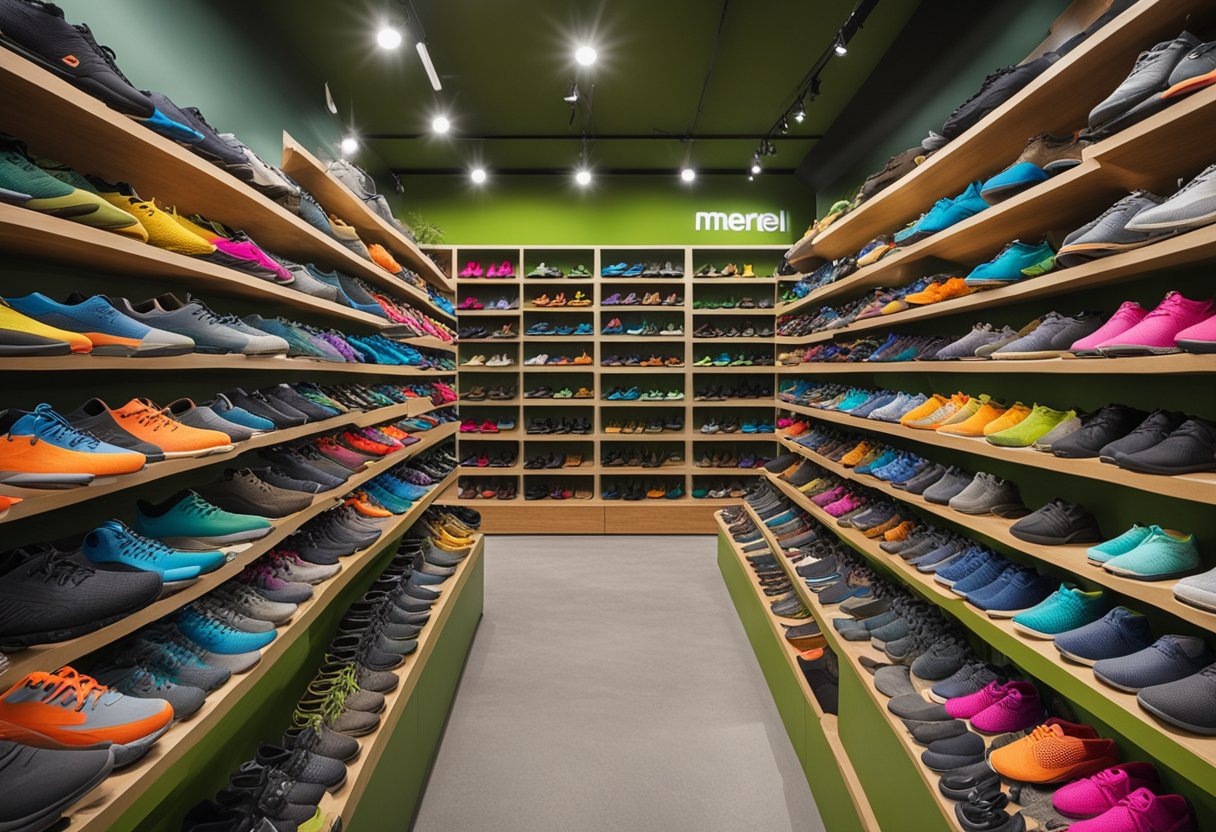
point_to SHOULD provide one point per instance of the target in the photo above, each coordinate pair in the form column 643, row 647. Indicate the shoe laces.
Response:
column 153, row 417
column 144, row 548
column 50, row 424
column 61, row 568
column 107, row 54
column 196, row 505
column 67, row 688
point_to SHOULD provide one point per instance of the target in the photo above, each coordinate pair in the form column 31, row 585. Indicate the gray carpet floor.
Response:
column 611, row 687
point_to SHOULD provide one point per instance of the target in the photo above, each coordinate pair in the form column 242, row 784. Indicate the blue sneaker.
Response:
column 945, row 213
column 115, row 543
column 584, row 329
column 111, row 332
column 615, row 270
column 634, row 271
column 217, row 636
column 964, row 566
column 1120, row 632
column 1018, row 589
column 386, row 498
column 885, row 458
column 226, row 410
column 1015, row 263
column 403, row 489
column 988, row 572
column 1022, row 175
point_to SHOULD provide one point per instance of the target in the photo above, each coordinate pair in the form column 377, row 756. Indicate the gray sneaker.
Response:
column 1007, row 336
column 1065, row 428
column 1149, row 75
column 893, row 681
column 192, row 318
column 1186, row 703
column 212, row 607
column 305, row 282
column 1192, row 207
column 247, row 601
column 953, row 483
column 1109, row 234
column 1168, row 659
column 965, row 347
column 989, row 494
column 142, row 683
column 204, row 418
column 1198, row 591
column 1052, row 337
column 243, row 492
column 261, row 176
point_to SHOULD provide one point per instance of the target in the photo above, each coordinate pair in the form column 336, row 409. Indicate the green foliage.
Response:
column 425, row 233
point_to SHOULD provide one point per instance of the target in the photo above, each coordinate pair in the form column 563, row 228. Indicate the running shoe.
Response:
column 21, row 335
column 110, row 331
column 188, row 521
column 115, row 543
column 45, row 451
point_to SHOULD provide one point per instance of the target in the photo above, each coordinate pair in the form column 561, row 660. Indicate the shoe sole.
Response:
column 1074, row 658
column 203, row 543
column 1028, row 356
column 1134, row 576
column 1137, row 349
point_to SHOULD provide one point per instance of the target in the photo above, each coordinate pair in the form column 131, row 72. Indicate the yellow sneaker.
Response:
column 917, row 413
column 973, row 425
column 748, row 271
column 856, row 455
column 38, row 334
column 163, row 231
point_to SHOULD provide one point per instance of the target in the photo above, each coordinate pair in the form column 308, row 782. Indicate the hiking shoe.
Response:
column 988, row 494
column 1057, row 523
column 1159, row 556
column 1186, row 703
column 1168, row 659
column 1120, row 632
column 1093, row 795
column 1054, row 753
column 1108, row 234
column 1043, row 156
column 1149, row 76
column 1067, row 609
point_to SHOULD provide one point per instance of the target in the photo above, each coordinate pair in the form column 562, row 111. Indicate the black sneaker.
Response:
column 40, row 782
column 1152, row 431
column 258, row 405
column 1056, row 524
column 997, row 88
column 1098, row 429
column 1189, row 449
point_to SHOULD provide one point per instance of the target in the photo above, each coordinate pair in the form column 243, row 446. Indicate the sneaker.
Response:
column 117, row 545
column 1149, row 77
column 1044, row 156
column 1015, row 263
column 41, row 783
column 1057, row 523
column 1120, row 632
column 1097, row 430
column 1142, row 811
column 1160, row 555
column 148, row 423
column 1194, row 206
column 1198, row 591
column 1126, row 316
column 1018, row 709
column 111, row 332
column 1155, row 334
column 210, row 332
column 1068, row 609
column 1168, row 659
column 1185, row 703
column 1037, row 424
column 1091, row 796
column 44, row 450
column 1109, row 234
column 187, row 520
column 1054, row 753
column 1053, row 337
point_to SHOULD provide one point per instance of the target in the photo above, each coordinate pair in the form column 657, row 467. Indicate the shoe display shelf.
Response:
column 1179, row 364
column 50, row 657
column 683, row 515
column 1060, row 97
column 1190, row 760
column 815, row 735
column 168, row 779
column 219, row 363
column 51, row 116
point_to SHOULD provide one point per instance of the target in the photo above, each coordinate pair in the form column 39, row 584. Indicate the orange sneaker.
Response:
column 361, row 502
column 559, row 299
column 933, row 403
column 857, row 454
column 955, row 287
column 988, row 412
column 900, row 532
column 383, row 259
column 7, row 502
column 144, row 420
column 1014, row 414
column 541, row 300
column 39, row 448
column 582, row 359
column 796, row 429
column 1055, row 752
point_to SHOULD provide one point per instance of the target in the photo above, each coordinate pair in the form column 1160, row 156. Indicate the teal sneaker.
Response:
column 1159, row 556
column 1016, row 262
column 1120, row 545
column 187, row 521
column 1067, row 609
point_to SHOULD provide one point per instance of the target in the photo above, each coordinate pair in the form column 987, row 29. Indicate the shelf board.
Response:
column 463, row 312
column 491, row 402
column 767, row 370
column 640, row 370
column 103, row 806
column 51, row 115
column 1199, row 488
column 764, row 403
column 228, row 363
column 481, row 368
column 736, row 281
column 40, row 501
column 1072, row 559
column 49, row 657
column 339, row 200
column 1183, row 363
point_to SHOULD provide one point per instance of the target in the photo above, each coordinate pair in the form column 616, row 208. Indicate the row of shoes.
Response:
column 545, row 359
column 553, row 272
column 341, row 709
column 475, row 269
column 635, row 393
column 1162, row 442
column 746, row 330
column 496, row 360
column 705, row 489
column 632, row 456
column 667, row 269
column 556, row 491
column 673, row 423
column 636, row 360
column 644, row 328
column 546, row 392
column 730, row 392
column 729, row 270
column 645, row 299
column 500, row 425
column 480, row 333
column 734, row 425
column 554, row 460
column 725, row 359
column 561, row 329
column 558, row 300
column 484, row 459
column 732, row 302
column 634, row 491
column 480, row 394
column 731, row 458
column 471, row 303
column 544, row 425
column 476, row 488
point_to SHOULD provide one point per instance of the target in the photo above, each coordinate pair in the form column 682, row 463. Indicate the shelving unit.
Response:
column 686, row 514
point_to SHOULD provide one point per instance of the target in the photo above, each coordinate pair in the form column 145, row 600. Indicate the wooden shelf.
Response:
column 1199, row 488
column 513, row 312
column 1191, row 755
column 51, row 115
column 103, row 806
column 1184, row 363
column 226, row 363
column 49, row 657
column 339, row 807
column 40, row 501
column 1071, row 559
column 337, row 199
column 1055, row 102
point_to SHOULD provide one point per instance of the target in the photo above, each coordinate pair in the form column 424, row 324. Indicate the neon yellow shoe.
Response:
column 1041, row 420
column 163, row 231
column 58, row 190
column 748, row 271
column 23, row 335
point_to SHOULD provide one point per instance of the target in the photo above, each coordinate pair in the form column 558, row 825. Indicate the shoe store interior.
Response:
column 587, row 416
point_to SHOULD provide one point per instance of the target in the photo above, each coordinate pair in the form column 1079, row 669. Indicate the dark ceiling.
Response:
column 506, row 64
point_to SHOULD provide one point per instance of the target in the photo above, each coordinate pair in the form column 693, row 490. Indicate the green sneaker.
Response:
column 1041, row 420
column 1068, row 609
column 187, row 521
column 1120, row 545
column 564, row 393
column 1159, row 556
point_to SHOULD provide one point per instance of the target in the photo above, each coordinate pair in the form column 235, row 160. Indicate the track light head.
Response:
column 349, row 146
column 841, row 47
column 440, row 124
column 389, row 37
column 784, row 124
column 583, row 177
column 572, row 95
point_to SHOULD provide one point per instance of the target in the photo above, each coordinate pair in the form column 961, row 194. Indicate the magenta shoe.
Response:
column 829, row 496
column 1155, row 334
column 1018, row 710
column 248, row 250
column 843, row 506
column 965, row 707
column 1198, row 338
column 1091, row 796
column 1142, row 811
column 1125, row 317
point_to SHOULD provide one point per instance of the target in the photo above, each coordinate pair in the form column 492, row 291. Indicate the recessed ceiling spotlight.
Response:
column 751, row 179
column 842, row 48
column 756, row 169
column 349, row 146
column 440, row 124
column 583, row 177
column 478, row 175
column 688, row 174
column 585, row 55
column 389, row 37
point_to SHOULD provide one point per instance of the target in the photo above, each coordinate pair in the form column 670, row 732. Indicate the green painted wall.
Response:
column 201, row 55
column 617, row 210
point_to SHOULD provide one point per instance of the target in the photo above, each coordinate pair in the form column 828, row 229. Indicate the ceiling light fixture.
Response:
column 583, row 177
column 478, row 175
column 572, row 95
column 841, row 47
column 751, row 178
column 688, row 174
column 349, row 145
column 429, row 66
column 585, row 55
column 756, row 168
column 389, row 37
column 784, row 124
column 441, row 125
column 800, row 111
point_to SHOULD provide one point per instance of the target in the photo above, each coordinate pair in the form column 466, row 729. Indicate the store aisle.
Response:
column 612, row 687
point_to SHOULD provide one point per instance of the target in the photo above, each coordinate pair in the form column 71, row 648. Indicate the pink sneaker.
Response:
column 248, row 250
column 844, row 505
column 829, row 496
column 1142, row 811
column 1092, row 796
column 1155, row 334
column 1125, row 317
column 1198, row 338
column 1018, row 710
column 965, row 707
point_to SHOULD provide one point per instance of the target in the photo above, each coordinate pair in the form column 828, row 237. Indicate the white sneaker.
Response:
column 476, row 361
column 537, row 360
